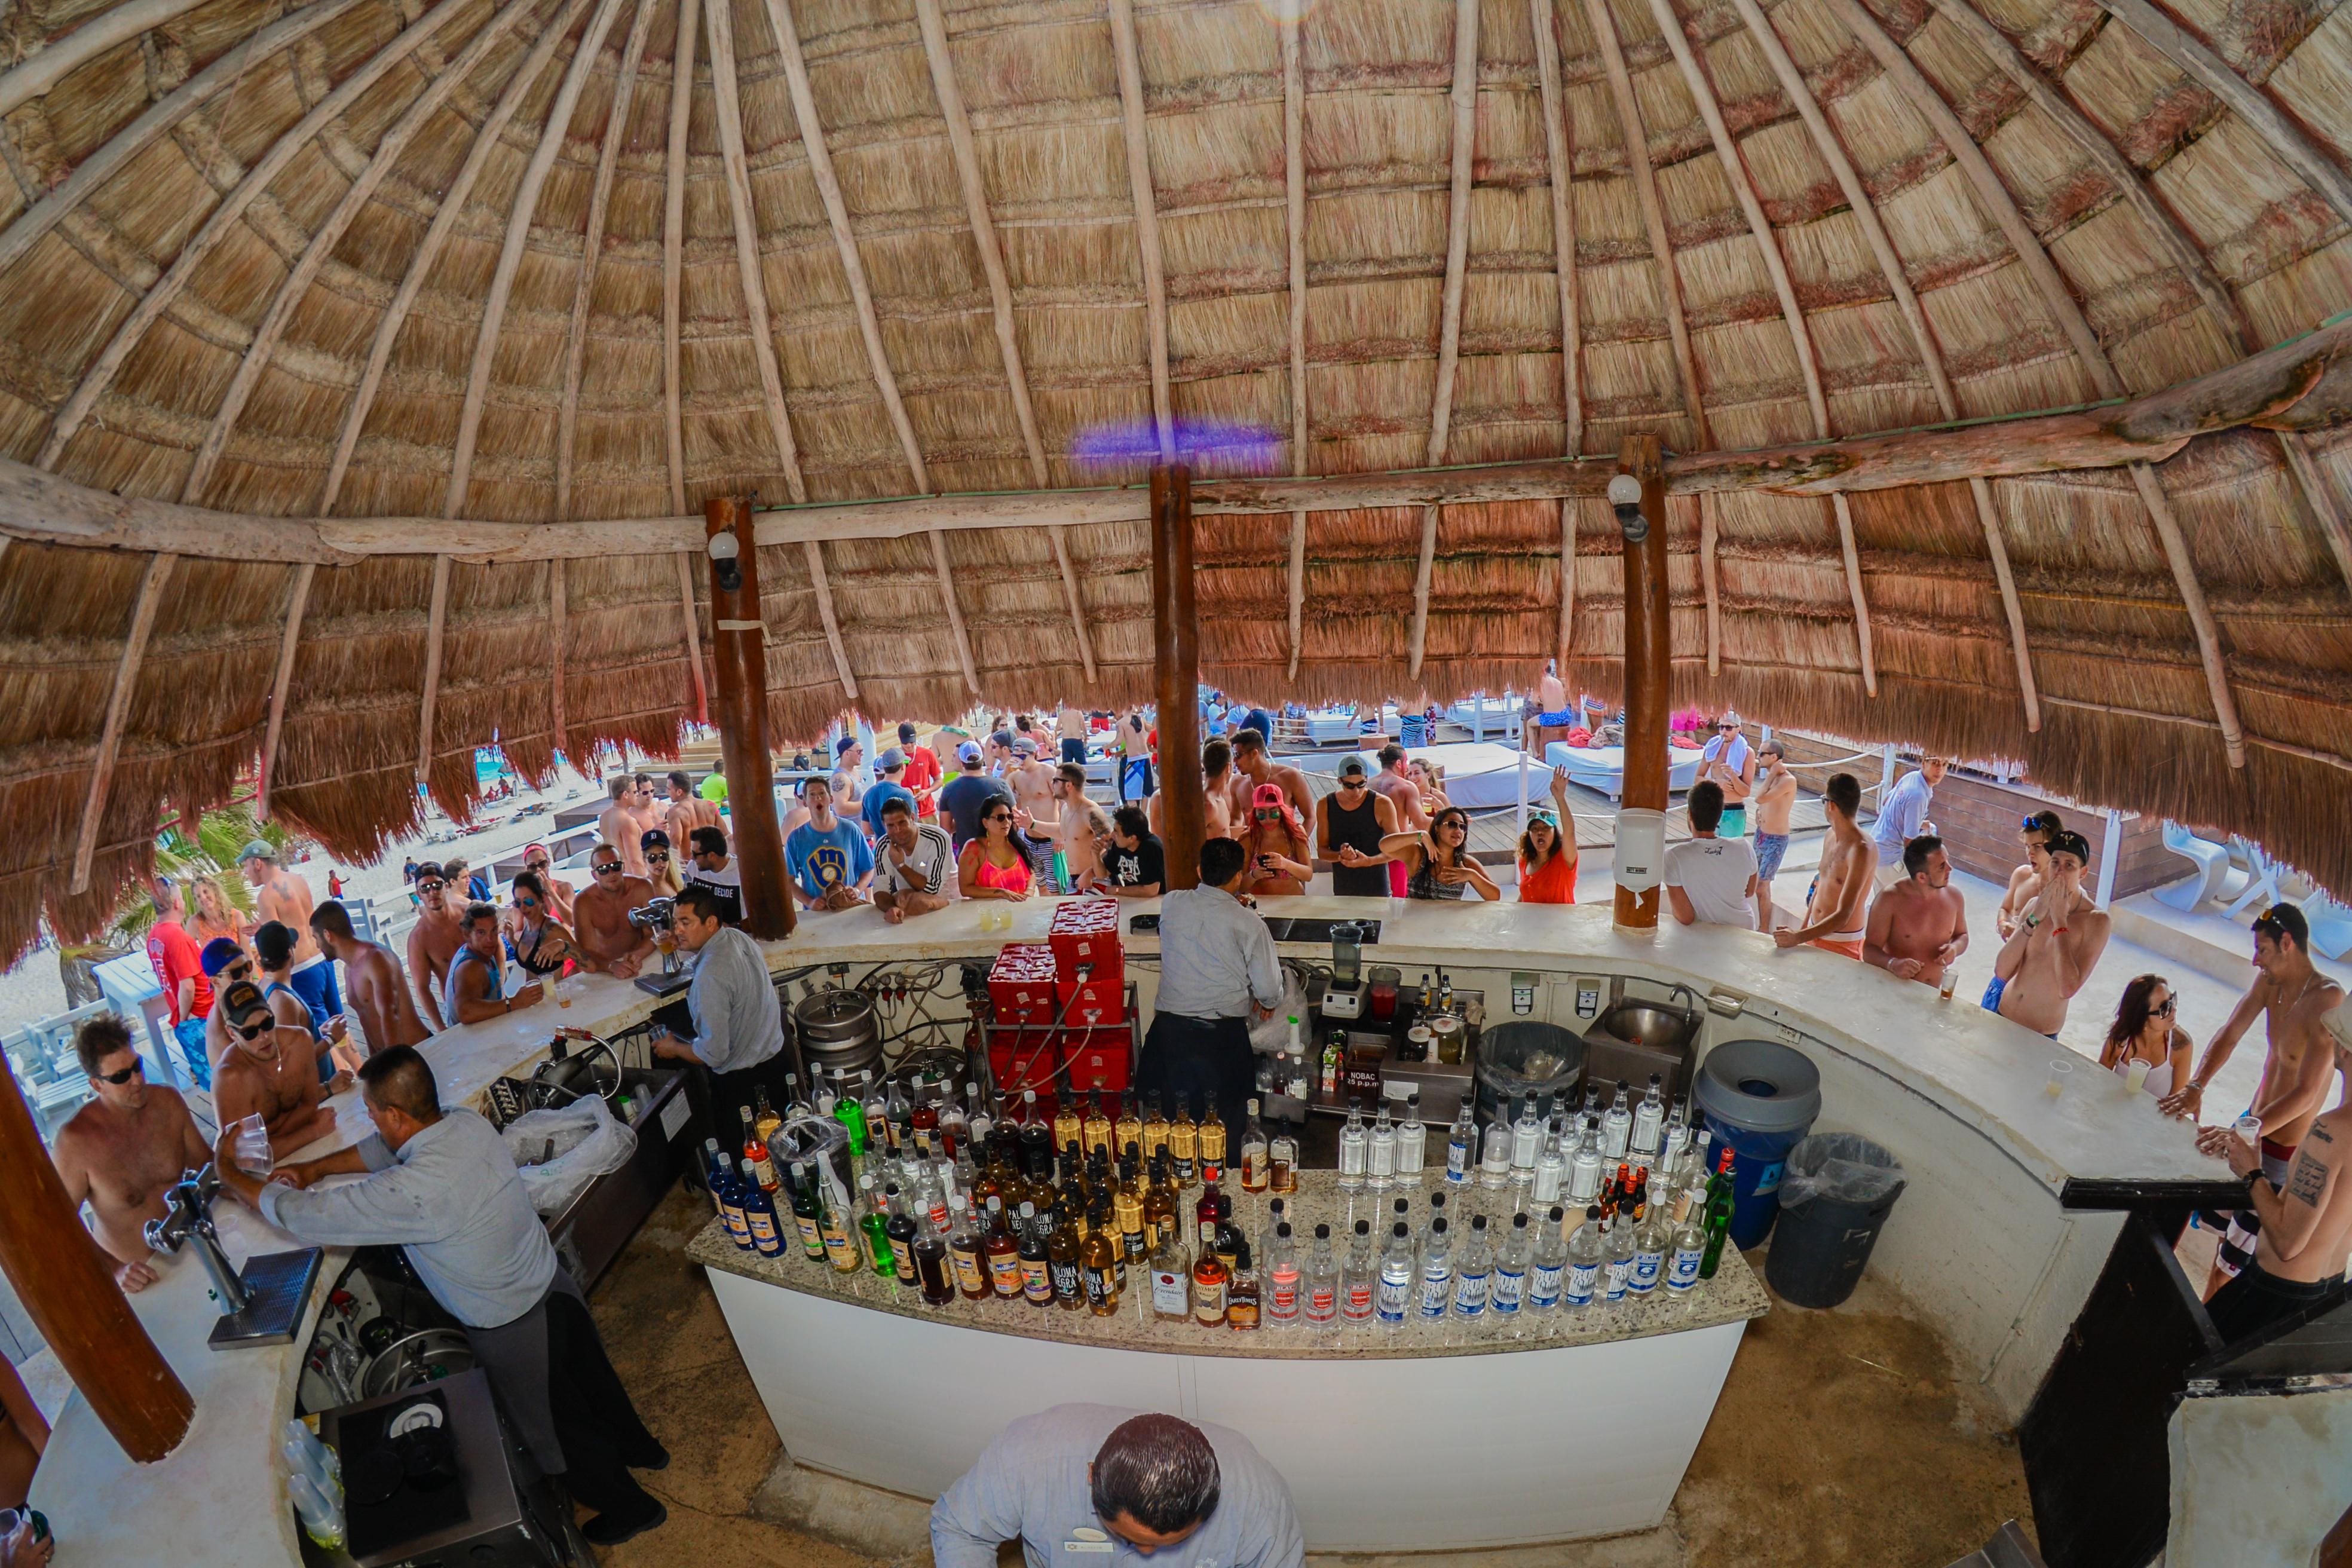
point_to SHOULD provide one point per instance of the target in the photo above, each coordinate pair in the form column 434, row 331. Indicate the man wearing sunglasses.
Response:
column 122, row 1151
column 225, row 963
column 1730, row 762
column 434, row 943
column 271, row 1070
column 600, row 915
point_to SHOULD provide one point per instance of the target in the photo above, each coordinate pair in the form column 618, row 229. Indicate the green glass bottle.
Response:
column 1718, row 1217
column 851, row 1114
column 875, row 1223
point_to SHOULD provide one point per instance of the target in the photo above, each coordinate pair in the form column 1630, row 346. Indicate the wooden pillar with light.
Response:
column 1176, row 660
column 738, row 653
column 1638, row 497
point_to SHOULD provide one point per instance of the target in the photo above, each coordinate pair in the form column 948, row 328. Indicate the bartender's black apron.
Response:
column 567, row 1404
column 1199, row 1059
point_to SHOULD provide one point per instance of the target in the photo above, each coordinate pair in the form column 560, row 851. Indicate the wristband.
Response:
column 2251, row 1177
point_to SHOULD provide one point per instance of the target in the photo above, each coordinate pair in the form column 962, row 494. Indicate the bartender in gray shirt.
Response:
column 739, row 1029
column 1088, row 1486
column 442, row 1186
column 1217, row 968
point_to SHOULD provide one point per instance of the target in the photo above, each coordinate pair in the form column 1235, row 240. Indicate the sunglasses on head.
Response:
column 134, row 1071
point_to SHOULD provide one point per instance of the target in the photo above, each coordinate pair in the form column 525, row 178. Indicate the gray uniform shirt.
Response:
column 1214, row 956
column 736, row 1022
column 452, row 1200
column 1030, row 1486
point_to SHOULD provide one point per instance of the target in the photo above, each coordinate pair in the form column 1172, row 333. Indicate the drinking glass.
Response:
column 2059, row 1073
column 2136, row 1075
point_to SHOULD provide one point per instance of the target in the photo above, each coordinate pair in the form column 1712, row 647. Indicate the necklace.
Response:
column 2299, row 995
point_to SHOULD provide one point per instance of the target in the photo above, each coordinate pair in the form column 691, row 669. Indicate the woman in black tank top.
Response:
column 1360, row 825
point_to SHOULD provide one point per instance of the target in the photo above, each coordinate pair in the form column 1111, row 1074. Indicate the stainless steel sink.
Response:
column 1656, row 1024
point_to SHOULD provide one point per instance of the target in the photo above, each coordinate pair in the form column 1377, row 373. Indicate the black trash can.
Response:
column 1834, row 1200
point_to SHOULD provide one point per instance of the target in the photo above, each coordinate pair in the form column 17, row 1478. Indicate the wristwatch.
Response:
column 2251, row 1177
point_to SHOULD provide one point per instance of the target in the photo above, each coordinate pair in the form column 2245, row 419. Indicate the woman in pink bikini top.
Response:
column 996, row 864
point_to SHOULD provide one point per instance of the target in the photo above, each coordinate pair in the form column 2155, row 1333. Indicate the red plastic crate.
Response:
column 1022, row 1059
column 1020, row 983
column 1099, row 1059
column 1084, row 933
column 1106, row 999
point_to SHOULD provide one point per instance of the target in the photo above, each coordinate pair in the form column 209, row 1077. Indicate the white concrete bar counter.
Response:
column 1980, row 1241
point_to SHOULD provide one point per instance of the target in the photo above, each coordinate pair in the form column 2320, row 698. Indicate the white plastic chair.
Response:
column 2331, row 926
column 2212, row 860
column 2262, row 882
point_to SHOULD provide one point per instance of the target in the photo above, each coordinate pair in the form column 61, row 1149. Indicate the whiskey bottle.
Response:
column 1127, row 1214
column 1255, row 1175
column 1098, row 1125
column 933, row 1271
column 1210, row 1139
column 1128, row 1130
column 1320, row 1291
column 1206, row 1212
column 1241, row 1293
column 1037, row 1273
column 924, row 1121
column 1069, row 1126
column 965, row 1253
column 1359, row 1277
column 1160, row 1225
column 1155, row 1125
column 1062, row 1248
column 1184, row 1141
column 1209, row 1278
column 1229, row 1235
column 764, row 1119
column 1035, row 1134
column 1003, row 1250
column 1103, row 1272
column 805, row 1211
column 1172, row 1281
column 1282, row 1304
column 1282, row 1160
column 955, row 1122
column 760, row 1216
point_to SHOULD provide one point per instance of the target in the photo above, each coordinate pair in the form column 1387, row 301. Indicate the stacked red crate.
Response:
column 1020, row 983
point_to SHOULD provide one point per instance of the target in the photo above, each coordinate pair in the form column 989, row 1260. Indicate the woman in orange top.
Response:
column 1277, row 845
column 1548, row 850
column 996, row 864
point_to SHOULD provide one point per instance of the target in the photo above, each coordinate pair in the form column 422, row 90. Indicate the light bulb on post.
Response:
column 726, row 553
column 1625, row 500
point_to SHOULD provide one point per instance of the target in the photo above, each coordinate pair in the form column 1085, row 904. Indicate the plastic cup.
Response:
column 2136, row 1075
column 2250, row 1128
column 1951, row 982
column 2059, row 1073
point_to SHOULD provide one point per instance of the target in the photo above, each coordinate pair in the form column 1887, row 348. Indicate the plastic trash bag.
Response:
column 559, row 1152
column 1271, row 1037
column 1842, row 1166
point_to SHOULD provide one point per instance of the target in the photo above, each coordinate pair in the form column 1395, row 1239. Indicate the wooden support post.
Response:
column 298, row 599
column 1175, row 647
column 118, row 712
column 436, row 621
column 1853, row 590
column 2192, row 599
column 955, row 612
column 558, row 616
column 1567, row 587
column 693, row 638
column 1998, row 548
column 1649, row 661
column 739, row 650
column 1706, row 581
column 1297, row 587
column 824, row 586
column 67, row 1284
column 1419, row 636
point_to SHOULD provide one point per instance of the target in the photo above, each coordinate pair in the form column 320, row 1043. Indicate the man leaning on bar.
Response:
column 738, row 1042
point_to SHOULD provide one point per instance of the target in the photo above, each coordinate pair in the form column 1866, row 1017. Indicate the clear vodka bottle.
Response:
column 1587, row 1252
column 1413, row 1143
column 1652, row 1237
column 1352, row 1140
column 1461, row 1147
column 1552, row 1168
column 1398, row 1271
column 1547, row 1269
column 1650, row 1121
column 1495, row 1169
column 1617, row 1273
column 1526, row 1143
column 1689, row 1248
column 1509, row 1291
column 1320, row 1296
column 1473, row 1272
column 1617, row 1127
column 1436, row 1296
column 1282, row 1279
column 1359, row 1277
column 1380, row 1152
column 1585, row 1168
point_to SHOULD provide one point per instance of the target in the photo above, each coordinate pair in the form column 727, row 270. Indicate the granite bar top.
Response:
column 1734, row 1295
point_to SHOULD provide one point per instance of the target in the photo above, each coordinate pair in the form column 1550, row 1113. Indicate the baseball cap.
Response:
column 653, row 838
column 906, row 734
column 1351, row 767
column 1025, row 746
column 255, row 850
column 890, row 759
column 243, row 1005
column 841, row 747
column 969, row 752
column 2066, row 841
column 218, row 954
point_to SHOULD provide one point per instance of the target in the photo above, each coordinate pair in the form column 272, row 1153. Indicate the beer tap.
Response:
column 188, row 1217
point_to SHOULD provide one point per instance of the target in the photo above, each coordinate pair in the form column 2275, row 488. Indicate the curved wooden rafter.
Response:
column 118, row 713
column 681, row 110
column 298, row 600
column 1294, row 192
column 1559, row 166
column 1463, row 103
column 20, row 84
column 330, row 234
column 1127, row 57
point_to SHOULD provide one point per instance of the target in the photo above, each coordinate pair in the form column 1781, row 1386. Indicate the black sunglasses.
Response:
column 657, row 856
column 254, row 1033
column 135, row 1069
column 430, row 887
column 606, row 871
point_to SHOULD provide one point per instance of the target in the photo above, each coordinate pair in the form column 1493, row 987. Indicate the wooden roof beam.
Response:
column 693, row 625
column 814, row 555
column 436, row 622
column 298, row 599
column 592, row 248
column 223, row 220
column 118, row 712
column 1561, row 155
column 1843, row 512
column 1463, row 102
column 1997, row 548
column 2201, row 615
column 446, row 219
column 681, row 109
column 960, row 143
column 955, row 612
column 558, row 614
column 19, row 85
column 296, row 286
column 1427, row 564
column 1127, row 57
column 1294, row 185
column 2278, row 130
column 1654, row 212
column 525, row 206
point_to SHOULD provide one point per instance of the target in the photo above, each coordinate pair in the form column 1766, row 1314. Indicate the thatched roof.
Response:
column 573, row 266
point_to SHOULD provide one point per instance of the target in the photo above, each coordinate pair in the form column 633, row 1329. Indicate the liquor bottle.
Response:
column 712, row 1164
column 1004, row 1249
column 1256, row 1177
column 835, row 1223
column 933, row 1272
column 1036, row 1272
column 1102, row 1219
column 1510, row 1287
column 1398, row 1271
column 1206, row 1212
column 930, row 1200
column 1171, row 1281
column 1155, row 1125
column 978, row 1121
column 1428, row 996
column 1412, row 1143
column 1437, row 1272
column 851, row 1114
column 901, row 1106
column 1587, row 1250
column 1212, row 1138
column 1689, row 1252
column 1282, row 1160
column 1034, row 1133
column 965, row 1253
column 1209, row 1278
column 1096, row 1124
column 1718, row 1217
column 1585, row 1168
column 881, row 1137
column 1103, row 1271
column 1545, row 1269
column 1473, row 1271
column 1380, row 1152
column 1062, row 1248
column 1617, row 1127
column 873, row 1227
column 1352, row 1140
column 1436, row 1213
column 1128, row 1126
column 1282, row 1279
column 1653, row 1235
column 1495, row 1168
column 1243, row 1291
column 1461, row 1147
column 925, row 1120
column 1360, row 1275
column 764, row 1119
column 1069, row 1126
column 1617, row 1272
column 1526, row 1143
column 900, row 1228
column 755, row 1154
column 1319, row 1282
column 1229, row 1235
column 726, row 1192
column 1159, row 1222
column 955, row 1124
column 1552, row 1168
column 1127, row 1214
column 1650, row 1121
column 803, row 1197
column 1185, row 1144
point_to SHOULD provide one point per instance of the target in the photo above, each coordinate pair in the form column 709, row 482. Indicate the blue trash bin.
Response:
column 1760, row 1097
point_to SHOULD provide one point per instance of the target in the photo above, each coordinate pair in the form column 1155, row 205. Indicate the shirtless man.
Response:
column 1920, row 927
column 2296, row 1073
column 272, row 1070
column 434, row 941
column 2026, row 880
column 1031, row 781
column 2304, row 1222
column 1216, row 790
column 1254, row 766
column 617, row 824
column 2051, row 951
column 1396, row 783
column 1776, row 793
column 281, row 895
column 1834, row 920
column 687, row 811
column 600, row 915
column 1070, row 728
column 380, row 994
column 1081, row 828
column 648, row 812
column 477, row 987
column 123, row 1149
column 848, row 757
column 1550, row 696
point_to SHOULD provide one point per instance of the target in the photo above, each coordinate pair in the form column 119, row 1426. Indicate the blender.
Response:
column 1343, row 998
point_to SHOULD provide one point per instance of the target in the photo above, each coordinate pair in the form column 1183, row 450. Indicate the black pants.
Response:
column 718, row 1097
column 1199, row 1059
column 551, row 1373
column 2254, row 1300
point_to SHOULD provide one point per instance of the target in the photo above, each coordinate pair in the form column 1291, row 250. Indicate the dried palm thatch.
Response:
column 342, row 286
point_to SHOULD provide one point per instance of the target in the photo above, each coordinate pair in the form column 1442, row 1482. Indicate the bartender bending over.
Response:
column 739, row 1029
column 441, row 1185
column 1217, row 965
